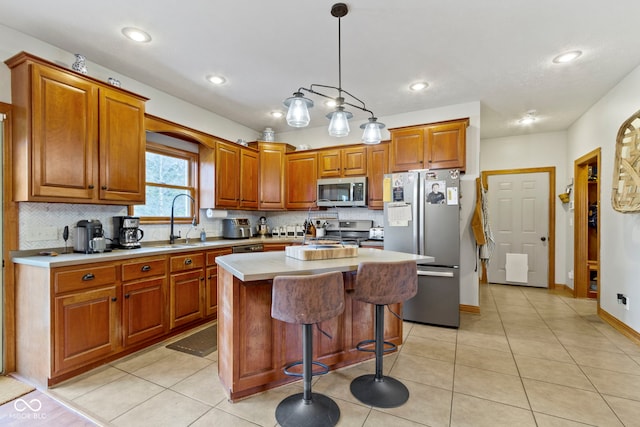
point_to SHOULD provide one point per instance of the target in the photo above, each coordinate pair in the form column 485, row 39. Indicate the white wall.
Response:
column 619, row 233
column 533, row 151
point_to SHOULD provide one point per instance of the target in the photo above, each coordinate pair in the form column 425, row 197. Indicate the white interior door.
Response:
column 519, row 218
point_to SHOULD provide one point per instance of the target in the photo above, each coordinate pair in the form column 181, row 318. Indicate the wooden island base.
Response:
column 253, row 348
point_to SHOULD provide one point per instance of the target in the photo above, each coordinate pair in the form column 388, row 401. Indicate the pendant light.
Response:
column 298, row 106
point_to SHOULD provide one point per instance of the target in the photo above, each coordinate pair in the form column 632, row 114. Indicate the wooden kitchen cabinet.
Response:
column 85, row 315
column 186, row 289
column 248, row 179
column 431, row 146
column 341, row 162
column 236, row 176
column 378, row 166
column 78, row 140
column 211, row 282
column 301, row 171
column 144, row 303
column 272, row 177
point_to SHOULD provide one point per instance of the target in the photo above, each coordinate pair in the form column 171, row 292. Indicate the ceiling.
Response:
column 498, row 52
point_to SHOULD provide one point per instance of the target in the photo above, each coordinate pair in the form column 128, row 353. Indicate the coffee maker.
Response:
column 89, row 237
column 127, row 232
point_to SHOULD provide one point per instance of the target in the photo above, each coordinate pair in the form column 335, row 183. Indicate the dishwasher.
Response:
column 248, row 248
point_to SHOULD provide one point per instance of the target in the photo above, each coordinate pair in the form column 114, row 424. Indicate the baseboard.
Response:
column 625, row 330
column 470, row 308
column 563, row 289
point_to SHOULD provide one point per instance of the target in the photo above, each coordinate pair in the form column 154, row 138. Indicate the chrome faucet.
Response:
column 172, row 238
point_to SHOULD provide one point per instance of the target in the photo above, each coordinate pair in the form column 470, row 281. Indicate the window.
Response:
column 169, row 172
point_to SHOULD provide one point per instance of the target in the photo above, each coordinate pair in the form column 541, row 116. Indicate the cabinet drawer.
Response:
column 211, row 255
column 187, row 262
column 146, row 268
column 84, row 278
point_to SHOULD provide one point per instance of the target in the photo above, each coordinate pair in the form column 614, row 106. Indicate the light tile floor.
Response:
column 532, row 358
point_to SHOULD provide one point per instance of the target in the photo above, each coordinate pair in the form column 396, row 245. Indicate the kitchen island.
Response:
column 253, row 348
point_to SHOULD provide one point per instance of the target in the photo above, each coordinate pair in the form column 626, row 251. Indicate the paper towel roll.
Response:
column 211, row 213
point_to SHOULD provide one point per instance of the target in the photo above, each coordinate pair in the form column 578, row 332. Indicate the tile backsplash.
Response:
column 41, row 224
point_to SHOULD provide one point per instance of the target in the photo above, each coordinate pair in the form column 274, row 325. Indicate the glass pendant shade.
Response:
column 372, row 134
column 298, row 113
column 339, row 125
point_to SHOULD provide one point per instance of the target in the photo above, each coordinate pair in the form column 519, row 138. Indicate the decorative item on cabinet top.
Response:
column 80, row 65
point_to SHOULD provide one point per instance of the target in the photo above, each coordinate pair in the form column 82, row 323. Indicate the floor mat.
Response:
column 199, row 344
column 10, row 389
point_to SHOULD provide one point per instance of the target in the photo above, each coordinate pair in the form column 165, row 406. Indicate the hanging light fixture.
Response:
column 298, row 106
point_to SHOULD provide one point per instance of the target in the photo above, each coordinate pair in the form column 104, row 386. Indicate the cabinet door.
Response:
column 64, row 135
column 301, row 180
column 377, row 166
column 407, row 149
column 446, row 146
column 248, row 179
column 211, row 292
column 329, row 164
column 122, row 147
column 354, row 161
column 271, row 177
column 143, row 310
column 227, row 176
column 85, row 327
column 185, row 297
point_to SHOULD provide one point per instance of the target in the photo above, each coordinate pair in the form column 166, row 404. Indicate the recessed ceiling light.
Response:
column 529, row 118
column 567, row 57
column 418, row 86
column 136, row 35
column 277, row 114
column 216, row 80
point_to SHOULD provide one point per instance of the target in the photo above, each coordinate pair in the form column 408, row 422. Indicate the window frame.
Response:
column 193, row 161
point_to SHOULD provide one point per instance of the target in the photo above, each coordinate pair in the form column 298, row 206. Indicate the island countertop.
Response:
column 267, row 265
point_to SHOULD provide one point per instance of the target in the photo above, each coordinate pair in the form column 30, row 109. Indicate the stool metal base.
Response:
column 385, row 392
column 319, row 411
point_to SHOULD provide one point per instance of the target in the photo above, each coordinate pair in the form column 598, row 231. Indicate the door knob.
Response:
column 544, row 239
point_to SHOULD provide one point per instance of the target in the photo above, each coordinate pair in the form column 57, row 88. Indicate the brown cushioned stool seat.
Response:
column 307, row 300
column 382, row 283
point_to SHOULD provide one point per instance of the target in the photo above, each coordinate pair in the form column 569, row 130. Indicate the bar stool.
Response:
column 307, row 300
column 382, row 284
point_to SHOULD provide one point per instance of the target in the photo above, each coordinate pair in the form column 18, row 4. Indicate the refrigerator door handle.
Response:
column 435, row 273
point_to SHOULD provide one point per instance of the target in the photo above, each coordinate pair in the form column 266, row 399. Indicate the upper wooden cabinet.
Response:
column 76, row 139
column 431, row 146
column 301, row 179
column 271, row 183
column 377, row 166
column 339, row 162
column 228, row 176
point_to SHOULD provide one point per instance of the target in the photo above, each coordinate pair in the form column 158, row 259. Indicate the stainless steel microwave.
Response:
column 350, row 191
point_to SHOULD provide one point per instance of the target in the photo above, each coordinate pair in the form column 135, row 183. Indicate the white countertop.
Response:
column 71, row 258
column 267, row 265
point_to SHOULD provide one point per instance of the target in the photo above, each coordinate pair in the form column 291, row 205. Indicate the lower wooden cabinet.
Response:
column 85, row 327
column 71, row 319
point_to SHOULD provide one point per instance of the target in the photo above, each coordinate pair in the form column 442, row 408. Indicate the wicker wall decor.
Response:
column 625, row 196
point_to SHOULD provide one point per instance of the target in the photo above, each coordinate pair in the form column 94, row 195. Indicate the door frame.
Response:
column 580, row 230
column 551, row 170
column 9, row 242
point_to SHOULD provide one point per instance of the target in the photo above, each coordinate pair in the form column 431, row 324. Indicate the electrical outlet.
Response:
column 626, row 303
column 624, row 300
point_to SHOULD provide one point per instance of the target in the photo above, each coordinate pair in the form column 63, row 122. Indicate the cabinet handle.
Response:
column 88, row 276
column 114, row 299
column 420, row 161
column 90, row 186
column 209, row 277
column 146, row 268
column 188, row 261
column 202, row 279
column 104, row 187
column 127, row 296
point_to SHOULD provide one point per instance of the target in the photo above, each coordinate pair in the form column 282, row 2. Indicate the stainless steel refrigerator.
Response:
column 422, row 216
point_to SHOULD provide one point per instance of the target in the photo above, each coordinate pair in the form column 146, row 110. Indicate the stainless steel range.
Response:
column 352, row 232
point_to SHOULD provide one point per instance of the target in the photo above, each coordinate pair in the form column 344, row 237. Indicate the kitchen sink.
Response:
column 177, row 245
